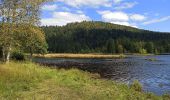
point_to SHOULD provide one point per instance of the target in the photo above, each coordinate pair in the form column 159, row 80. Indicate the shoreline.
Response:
column 81, row 56
column 36, row 81
column 88, row 55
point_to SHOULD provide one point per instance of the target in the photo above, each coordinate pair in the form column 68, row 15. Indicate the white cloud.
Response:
column 92, row 3
column 121, row 23
column 62, row 18
column 125, row 23
column 65, row 8
column 125, row 5
column 121, row 18
column 157, row 20
column 113, row 16
column 137, row 17
column 49, row 7
column 79, row 12
column 117, row 1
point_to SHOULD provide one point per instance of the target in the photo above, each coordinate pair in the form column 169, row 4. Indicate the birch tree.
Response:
column 13, row 14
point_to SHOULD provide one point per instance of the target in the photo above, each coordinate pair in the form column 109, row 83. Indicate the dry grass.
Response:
column 68, row 55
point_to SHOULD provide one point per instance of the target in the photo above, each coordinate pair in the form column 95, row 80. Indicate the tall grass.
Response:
column 16, row 77
column 28, row 81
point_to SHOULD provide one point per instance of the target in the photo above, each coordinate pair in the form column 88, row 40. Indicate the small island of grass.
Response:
column 71, row 55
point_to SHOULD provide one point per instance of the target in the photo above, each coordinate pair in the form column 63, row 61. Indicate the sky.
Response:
column 151, row 15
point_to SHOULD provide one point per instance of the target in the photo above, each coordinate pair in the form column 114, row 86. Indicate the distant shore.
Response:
column 70, row 55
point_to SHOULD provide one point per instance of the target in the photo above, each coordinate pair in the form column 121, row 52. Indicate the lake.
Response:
column 153, row 75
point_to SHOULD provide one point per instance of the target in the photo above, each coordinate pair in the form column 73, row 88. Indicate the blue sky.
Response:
column 145, row 14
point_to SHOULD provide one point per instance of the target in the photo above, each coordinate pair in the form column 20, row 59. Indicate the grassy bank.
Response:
column 28, row 81
column 68, row 55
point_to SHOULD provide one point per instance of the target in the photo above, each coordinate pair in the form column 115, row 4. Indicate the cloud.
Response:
column 138, row 17
column 91, row 3
column 121, row 23
column 62, row 18
column 113, row 16
column 121, row 18
column 125, row 5
column 49, row 7
column 157, row 20
column 117, row 1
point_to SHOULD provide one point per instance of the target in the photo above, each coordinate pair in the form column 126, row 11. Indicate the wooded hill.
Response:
column 101, row 37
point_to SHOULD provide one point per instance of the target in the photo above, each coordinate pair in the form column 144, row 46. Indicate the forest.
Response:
column 101, row 37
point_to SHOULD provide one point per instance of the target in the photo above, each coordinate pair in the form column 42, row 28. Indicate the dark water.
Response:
column 153, row 75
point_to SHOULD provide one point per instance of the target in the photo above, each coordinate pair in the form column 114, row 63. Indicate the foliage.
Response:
column 166, row 97
column 136, row 86
column 18, row 56
column 90, row 37
column 149, row 47
column 110, row 46
column 13, row 14
column 30, row 81
column 142, row 51
column 119, row 48
column 32, row 39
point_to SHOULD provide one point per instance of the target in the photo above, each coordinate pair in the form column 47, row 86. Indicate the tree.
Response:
column 93, row 37
column 143, row 51
column 119, row 48
column 13, row 14
column 149, row 46
column 32, row 40
column 110, row 46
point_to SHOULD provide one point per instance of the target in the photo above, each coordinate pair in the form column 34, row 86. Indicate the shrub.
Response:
column 136, row 86
column 142, row 51
column 166, row 97
column 18, row 56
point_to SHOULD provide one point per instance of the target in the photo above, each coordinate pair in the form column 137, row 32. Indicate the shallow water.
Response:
column 153, row 75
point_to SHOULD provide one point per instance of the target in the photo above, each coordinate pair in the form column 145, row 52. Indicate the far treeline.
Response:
column 100, row 37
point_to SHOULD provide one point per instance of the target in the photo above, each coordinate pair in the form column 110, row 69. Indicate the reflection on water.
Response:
column 154, row 75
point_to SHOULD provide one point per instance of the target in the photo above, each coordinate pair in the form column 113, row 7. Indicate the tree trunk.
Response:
column 8, row 55
column 3, row 54
column 31, row 54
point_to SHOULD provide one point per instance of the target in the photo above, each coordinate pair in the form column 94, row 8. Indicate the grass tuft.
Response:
column 136, row 86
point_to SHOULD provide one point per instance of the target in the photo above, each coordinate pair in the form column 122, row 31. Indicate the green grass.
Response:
column 28, row 81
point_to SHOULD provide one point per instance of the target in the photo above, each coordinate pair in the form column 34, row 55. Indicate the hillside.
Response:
column 100, row 37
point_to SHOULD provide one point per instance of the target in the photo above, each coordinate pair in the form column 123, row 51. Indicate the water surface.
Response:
column 153, row 75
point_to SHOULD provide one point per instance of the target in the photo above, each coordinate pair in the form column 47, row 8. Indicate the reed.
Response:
column 68, row 55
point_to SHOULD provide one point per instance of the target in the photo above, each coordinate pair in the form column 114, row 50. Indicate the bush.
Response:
column 166, row 97
column 136, row 86
column 18, row 56
column 142, row 51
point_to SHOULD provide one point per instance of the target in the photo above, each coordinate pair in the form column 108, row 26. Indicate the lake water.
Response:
column 153, row 75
